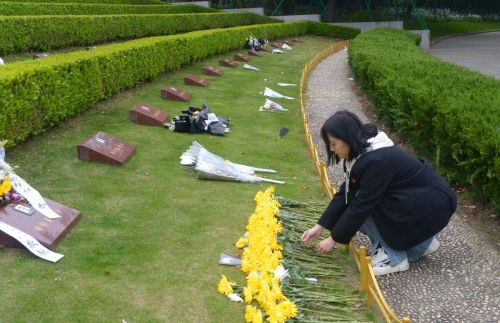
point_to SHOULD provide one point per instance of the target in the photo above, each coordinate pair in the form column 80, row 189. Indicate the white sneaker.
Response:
column 385, row 268
column 432, row 247
column 379, row 257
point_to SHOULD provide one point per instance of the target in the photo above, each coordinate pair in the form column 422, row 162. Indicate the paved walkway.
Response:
column 480, row 52
column 458, row 283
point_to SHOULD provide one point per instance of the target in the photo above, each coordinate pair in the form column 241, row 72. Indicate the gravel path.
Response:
column 458, row 283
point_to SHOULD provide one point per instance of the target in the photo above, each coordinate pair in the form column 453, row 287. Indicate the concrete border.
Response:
column 197, row 3
column 425, row 37
column 259, row 10
column 369, row 25
column 298, row 17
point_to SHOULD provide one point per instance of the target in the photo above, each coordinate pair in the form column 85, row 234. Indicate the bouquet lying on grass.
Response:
column 286, row 281
column 210, row 166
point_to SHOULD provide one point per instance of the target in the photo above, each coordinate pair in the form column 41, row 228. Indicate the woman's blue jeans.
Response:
column 395, row 256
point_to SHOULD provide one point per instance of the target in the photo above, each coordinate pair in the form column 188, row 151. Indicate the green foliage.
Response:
column 439, row 29
column 32, row 33
column 373, row 15
column 322, row 29
column 92, row 2
column 37, row 95
column 449, row 113
column 39, row 9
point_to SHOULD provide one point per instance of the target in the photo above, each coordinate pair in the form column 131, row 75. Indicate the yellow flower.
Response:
column 241, row 243
column 261, row 255
column 288, row 308
column 247, row 293
column 253, row 315
column 6, row 186
column 224, row 286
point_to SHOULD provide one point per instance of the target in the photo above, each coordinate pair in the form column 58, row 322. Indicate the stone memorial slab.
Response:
column 227, row 63
column 47, row 231
column 40, row 55
column 241, row 58
column 148, row 116
column 104, row 148
column 194, row 80
column 254, row 53
column 275, row 45
column 212, row 71
column 175, row 94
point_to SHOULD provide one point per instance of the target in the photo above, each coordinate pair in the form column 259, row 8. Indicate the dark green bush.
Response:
column 128, row 2
column 50, row 32
column 322, row 29
column 43, row 9
column 448, row 113
column 374, row 15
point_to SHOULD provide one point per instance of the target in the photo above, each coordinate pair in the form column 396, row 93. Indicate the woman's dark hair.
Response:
column 347, row 127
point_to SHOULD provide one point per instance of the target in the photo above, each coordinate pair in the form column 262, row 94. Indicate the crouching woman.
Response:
column 397, row 200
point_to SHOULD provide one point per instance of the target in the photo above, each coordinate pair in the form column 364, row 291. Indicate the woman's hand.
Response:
column 311, row 234
column 325, row 245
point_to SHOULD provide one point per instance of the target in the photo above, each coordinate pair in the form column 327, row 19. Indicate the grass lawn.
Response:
column 147, row 246
column 440, row 29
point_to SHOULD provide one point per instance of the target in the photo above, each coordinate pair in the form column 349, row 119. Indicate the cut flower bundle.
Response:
column 286, row 281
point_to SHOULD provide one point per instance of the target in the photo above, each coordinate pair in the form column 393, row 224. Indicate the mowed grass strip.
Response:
column 148, row 243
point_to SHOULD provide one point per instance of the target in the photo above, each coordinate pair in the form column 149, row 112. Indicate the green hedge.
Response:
column 128, row 2
column 448, row 113
column 50, row 32
column 340, row 32
column 52, row 9
column 37, row 95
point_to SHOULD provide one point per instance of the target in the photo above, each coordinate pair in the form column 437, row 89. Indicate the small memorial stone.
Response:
column 104, row 148
column 241, row 58
column 147, row 115
column 194, row 80
column 175, row 94
column 227, row 63
column 212, row 71
column 47, row 231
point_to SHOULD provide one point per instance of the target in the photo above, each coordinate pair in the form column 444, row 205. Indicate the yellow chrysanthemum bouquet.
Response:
column 305, row 291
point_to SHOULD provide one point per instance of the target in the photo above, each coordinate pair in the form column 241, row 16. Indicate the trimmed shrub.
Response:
column 448, row 113
column 128, row 2
column 50, row 32
column 37, row 95
column 339, row 32
column 52, row 9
